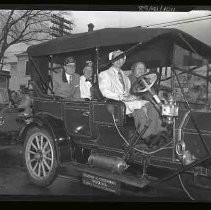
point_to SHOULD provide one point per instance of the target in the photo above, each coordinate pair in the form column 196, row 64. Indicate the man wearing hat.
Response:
column 114, row 84
column 89, row 63
column 67, row 83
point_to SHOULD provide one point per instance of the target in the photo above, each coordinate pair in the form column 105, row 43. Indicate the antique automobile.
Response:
column 10, row 124
column 95, row 137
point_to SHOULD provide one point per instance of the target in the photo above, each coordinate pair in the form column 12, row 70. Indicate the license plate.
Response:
column 101, row 183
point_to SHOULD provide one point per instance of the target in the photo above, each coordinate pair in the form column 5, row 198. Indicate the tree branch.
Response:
column 20, row 18
column 25, row 26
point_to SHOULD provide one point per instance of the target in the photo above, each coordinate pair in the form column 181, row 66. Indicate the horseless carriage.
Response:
column 95, row 136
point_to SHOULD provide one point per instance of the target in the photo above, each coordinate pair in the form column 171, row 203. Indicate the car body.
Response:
column 10, row 124
column 95, row 136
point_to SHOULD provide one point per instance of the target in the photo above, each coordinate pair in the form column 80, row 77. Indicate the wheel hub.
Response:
column 39, row 156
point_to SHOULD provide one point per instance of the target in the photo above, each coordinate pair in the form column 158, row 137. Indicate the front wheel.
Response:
column 40, row 157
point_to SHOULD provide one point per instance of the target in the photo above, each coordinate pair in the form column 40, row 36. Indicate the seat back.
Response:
column 96, row 93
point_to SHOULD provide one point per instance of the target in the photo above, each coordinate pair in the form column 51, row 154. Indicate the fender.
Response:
column 56, row 128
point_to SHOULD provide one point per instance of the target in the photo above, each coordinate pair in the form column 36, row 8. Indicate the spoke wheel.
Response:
column 39, row 157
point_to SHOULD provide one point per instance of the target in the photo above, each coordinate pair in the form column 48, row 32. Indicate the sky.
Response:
column 104, row 19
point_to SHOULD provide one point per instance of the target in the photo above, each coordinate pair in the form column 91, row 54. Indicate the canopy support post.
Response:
column 97, row 64
column 208, row 74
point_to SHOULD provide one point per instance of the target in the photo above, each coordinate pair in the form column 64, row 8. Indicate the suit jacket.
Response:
column 110, row 85
column 64, row 89
column 112, row 88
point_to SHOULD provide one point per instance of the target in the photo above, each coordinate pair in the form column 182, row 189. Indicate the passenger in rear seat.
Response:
column 86, row 82
column 67, row 83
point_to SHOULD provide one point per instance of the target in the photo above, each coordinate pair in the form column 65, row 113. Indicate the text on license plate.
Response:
column 100, row 182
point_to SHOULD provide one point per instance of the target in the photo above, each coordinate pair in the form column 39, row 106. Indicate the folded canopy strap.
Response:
column 189, row 45
column 121, row 55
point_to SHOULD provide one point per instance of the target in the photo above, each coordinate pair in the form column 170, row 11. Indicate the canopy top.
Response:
column 114, row 36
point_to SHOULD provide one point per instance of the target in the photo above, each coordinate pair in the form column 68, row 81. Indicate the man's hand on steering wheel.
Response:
column 144, row 84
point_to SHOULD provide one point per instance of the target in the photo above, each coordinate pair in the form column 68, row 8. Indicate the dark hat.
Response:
column 69, row 60
column 89, row 62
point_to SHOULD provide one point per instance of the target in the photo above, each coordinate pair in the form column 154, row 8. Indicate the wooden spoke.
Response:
column 44, row 147
column 39, row 169
column 43, row 169
column 34, row 168
column 45, row 153
column 46, row 164
column 31, row 152
column 32, row 160
column 33, row 145
column 37, row 141
column 41, row 145
column 46, row 157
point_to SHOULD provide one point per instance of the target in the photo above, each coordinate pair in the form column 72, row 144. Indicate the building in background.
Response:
column 9, row 59
column 18, row 72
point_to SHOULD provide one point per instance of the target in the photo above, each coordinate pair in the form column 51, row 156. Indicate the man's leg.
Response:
column 141, row 117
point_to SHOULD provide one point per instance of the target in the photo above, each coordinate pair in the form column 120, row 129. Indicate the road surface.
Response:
column 14, row 185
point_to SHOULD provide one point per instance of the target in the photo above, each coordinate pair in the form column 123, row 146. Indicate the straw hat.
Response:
column 114, row 54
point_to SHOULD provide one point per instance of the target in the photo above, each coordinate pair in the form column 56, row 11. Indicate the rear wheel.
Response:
column 40, row 157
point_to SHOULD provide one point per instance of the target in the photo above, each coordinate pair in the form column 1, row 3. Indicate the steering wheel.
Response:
column 144, row 83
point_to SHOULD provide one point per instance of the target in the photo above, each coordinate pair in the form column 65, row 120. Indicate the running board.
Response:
column 139, row 182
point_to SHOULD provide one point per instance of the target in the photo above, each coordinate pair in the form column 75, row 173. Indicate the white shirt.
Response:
column 68, row 77
column 112, row 88
column 85, row 87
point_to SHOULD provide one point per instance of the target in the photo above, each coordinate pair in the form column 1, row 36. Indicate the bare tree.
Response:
column 23, row 26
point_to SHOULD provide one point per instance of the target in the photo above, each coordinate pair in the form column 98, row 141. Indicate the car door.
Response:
column 77, row 118
column 104, row 121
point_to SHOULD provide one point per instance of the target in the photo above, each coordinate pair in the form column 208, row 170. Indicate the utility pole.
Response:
column 60, row 27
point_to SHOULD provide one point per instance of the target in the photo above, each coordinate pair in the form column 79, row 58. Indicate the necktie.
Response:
column 121, row 79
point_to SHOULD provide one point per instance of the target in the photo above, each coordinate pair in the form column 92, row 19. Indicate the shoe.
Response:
column 154, row 141
column 149, row 140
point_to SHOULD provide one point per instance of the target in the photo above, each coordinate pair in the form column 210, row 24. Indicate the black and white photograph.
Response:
column 110, row 104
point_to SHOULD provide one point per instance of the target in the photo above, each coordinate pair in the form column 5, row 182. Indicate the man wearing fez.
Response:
column 114, row 84
column 67, row 86
column 89, row 63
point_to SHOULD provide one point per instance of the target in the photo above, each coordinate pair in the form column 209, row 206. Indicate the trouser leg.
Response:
column 141, row 118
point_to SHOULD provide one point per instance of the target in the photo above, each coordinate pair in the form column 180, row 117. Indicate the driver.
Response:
column 114, row 84
column 138, row 69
